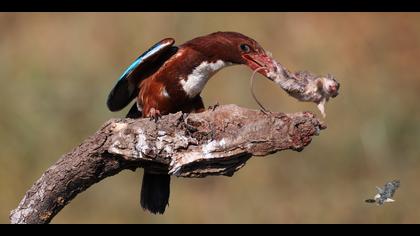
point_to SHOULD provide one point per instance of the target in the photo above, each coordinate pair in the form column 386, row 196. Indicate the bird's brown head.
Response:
column 233, row 48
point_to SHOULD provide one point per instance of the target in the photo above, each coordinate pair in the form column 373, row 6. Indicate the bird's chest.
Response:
column 193, row 82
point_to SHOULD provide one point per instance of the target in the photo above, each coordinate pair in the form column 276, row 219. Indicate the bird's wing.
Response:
column 391, row 187
column 145, row 65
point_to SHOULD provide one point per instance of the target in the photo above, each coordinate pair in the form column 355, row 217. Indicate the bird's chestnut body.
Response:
column 165, row 90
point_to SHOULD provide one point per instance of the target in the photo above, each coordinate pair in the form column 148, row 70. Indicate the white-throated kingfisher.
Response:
column 168, row 78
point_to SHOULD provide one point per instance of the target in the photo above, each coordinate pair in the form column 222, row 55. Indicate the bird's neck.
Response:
column 195, row 81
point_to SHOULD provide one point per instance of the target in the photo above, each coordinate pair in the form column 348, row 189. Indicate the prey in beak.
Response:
column 302, row 85
column 305, row 86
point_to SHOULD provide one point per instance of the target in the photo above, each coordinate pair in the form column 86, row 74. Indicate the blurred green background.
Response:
column 56, row 70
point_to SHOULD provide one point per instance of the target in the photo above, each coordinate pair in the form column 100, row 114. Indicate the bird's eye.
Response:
column 245, row 48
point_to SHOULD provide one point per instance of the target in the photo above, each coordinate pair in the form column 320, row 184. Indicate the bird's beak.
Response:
column 258, row 60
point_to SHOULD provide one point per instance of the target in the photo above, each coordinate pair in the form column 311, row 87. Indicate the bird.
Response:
column 168, row 78
column 385, row 194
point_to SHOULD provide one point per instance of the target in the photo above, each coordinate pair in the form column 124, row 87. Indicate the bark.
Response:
column 215, row 142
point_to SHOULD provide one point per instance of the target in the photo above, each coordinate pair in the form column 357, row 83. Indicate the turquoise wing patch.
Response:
column 125, row 89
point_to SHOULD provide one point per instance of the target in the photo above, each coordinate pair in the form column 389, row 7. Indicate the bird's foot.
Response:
column 154, row 114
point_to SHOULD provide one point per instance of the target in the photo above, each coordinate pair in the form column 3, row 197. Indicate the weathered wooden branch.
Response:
column 215, row 142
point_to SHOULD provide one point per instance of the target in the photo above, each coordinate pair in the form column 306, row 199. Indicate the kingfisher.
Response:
column 168, row 79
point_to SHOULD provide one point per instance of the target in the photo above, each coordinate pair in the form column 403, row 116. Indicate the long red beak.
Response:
column 255, row 61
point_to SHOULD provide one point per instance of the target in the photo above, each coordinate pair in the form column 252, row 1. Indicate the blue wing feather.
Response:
column 131, row 68
column 155, row 48
column 124, row 90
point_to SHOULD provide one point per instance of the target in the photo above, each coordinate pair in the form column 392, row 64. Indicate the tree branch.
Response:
column 215, row 142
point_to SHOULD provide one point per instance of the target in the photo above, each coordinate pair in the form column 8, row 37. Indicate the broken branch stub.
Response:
column 215, row 142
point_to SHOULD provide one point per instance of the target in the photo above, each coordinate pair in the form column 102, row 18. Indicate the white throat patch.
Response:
column 200, row 75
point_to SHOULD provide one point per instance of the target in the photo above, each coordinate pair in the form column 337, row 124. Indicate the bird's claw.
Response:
column 154, row 114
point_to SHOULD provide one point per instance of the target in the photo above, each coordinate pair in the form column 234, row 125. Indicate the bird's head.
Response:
column 234, row 48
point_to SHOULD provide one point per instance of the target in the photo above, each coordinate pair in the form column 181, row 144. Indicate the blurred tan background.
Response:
column 56, row 70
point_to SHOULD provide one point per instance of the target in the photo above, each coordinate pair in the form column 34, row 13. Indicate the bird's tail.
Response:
column 155, row 192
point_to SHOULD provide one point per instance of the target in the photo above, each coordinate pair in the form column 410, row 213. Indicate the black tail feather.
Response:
column 155, row 192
